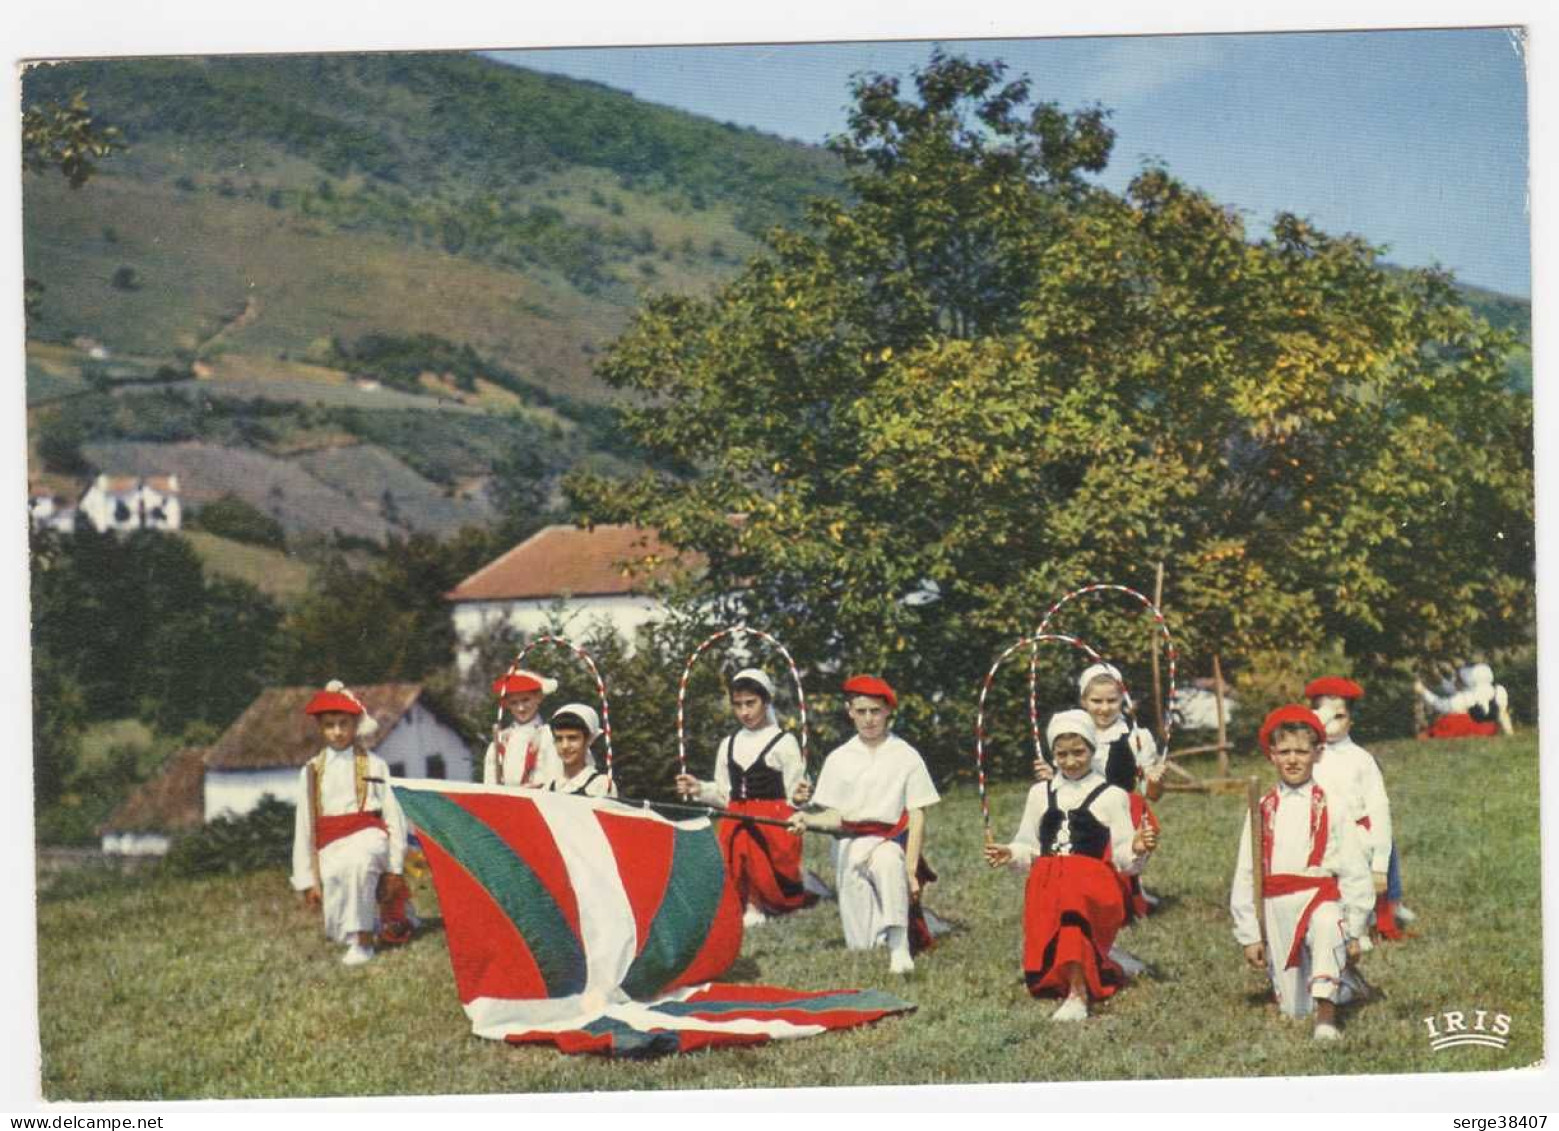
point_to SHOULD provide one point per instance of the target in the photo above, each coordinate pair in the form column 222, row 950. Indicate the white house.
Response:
column 170, row 803
column 125, row 502
column 594, row 576
column 51, row 512
column 262, row 752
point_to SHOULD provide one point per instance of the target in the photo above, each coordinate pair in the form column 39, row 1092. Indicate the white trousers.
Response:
column 873, row 889
column 1322, row 960
column 349, row 871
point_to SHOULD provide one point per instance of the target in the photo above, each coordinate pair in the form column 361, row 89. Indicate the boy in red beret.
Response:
column 1316, row 892
column 523, row 753
column 1350, row 775
column 876, row 788
column 349, row 836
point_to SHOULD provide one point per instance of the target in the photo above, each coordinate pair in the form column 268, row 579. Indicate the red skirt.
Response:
column 1071, row 911
column 1460, row 725
column 763, row 861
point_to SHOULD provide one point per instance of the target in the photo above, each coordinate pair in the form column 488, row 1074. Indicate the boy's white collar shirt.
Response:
column 874, row 783
column 1353, row 783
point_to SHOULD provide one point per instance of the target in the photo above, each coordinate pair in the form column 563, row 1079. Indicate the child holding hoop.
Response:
column 523, row 753
column 1075, row 836
column 1124, row 753
column 574, row 727
column 758, row 771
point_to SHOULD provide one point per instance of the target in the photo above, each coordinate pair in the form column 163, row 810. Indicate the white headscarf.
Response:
column 761, row 678
column 1103, row 668
column 1075, row 721
column 1477, row 677
column 585, row 714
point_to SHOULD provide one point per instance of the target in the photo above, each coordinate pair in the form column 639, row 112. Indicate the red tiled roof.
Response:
column 172, row 801
column 166, row 484
column 274, row 731
column 567, row 561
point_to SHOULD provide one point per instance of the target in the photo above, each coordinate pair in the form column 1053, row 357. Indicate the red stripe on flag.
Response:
column 524, row 829
column 642, row 850
column 490, row 957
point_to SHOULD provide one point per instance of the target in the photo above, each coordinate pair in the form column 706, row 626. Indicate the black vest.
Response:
column 759, row 781
column 1089, row 835
column 1484, row 712
column 1120, row 763
column 552, row 786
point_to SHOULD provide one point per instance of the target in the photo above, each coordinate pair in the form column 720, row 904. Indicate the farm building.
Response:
column 169, row 803
column 51, row 512
column 127, row 502
column 589, row 574
column 262, row 752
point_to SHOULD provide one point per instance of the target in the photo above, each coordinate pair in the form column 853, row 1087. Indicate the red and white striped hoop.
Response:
column 1033, row 643
column 1167, row 723
column 737, row 631
column 600, row 684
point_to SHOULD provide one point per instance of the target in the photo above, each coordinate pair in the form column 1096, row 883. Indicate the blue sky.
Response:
column 1413, row 139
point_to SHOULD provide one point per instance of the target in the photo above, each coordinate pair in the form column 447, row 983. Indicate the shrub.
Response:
column 261, row 838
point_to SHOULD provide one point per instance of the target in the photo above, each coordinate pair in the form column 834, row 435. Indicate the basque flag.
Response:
column 597, row 927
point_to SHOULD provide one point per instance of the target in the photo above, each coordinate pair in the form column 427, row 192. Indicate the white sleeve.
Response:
column 490, row 765
column 1346, row 860
column 792, row 767
column 303, row 837
column 1377, row 807
column 1117, row 815
column 718, row 792
column 919, row 791
column 394, row 818
column 1242, row 897
column 1440, row 703
column 1025, row 842
column 1144, row 747
column 827, row 783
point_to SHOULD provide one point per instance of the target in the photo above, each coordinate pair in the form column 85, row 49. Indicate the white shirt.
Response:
column 338, row 797
column 1343, row 858
column 516, row 738
column 866, row 783
column 1351, row 777
column 785, row 757
column 1112, row 808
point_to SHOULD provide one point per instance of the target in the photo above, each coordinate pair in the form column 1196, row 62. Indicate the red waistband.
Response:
column 328, row 829
column 877, row 828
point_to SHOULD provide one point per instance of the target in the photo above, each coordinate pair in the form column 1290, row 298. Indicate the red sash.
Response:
column 1287, row 883
column 877, row 828
column 328, row 829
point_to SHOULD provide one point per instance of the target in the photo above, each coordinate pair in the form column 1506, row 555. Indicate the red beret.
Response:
column 1334, row 685
column 328, row 701
column 1292, row 713
column 871, row 685
column 512, row 683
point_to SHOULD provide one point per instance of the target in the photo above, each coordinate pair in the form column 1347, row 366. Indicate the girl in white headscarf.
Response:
column 758, row 771
column 1074, row 838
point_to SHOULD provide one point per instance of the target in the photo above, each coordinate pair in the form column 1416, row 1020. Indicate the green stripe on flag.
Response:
column 686, row 913
column 509, row 880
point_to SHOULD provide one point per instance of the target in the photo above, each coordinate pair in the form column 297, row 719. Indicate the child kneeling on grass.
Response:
column 1075, row 836
column 1316, row 891
column 349, row 836
column 574, row 727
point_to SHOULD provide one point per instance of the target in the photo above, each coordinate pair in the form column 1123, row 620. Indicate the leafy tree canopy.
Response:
column 988, row 372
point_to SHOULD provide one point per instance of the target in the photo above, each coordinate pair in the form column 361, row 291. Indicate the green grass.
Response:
column 225, row 988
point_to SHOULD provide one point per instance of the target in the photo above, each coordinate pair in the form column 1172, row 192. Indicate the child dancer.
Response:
column 1074, row 835
column 1349, row 773
column 574, row 727
column 522, row 754
column 1316, row 892
column 1480, row 708
column 349, row 837
column 757, row 771
column 876, row 789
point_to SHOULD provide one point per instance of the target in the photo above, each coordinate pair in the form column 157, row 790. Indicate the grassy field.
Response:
column 224, row 988
column 271, row 571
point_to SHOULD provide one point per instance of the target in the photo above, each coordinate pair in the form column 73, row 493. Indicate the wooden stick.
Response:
column 1158, row 687
column 1223, row 737
column 1258, row 856
column 1210, row 748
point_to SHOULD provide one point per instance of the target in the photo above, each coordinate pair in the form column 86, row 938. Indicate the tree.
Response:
column 985, row 371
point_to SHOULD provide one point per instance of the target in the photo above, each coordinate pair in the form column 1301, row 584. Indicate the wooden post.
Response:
column 1158, row 689
column 1223, row 736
